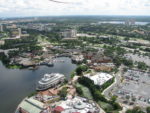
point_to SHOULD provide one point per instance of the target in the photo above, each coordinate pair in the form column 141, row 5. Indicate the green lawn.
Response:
column 86, row 91
column 107, row 107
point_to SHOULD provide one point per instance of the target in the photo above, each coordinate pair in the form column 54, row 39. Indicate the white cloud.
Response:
column 78, row 7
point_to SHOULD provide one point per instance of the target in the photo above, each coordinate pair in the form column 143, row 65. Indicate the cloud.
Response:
column 78, row 7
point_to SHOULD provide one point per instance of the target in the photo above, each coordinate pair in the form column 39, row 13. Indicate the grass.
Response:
column 86, row 91
column 14, row 67
column 107, row 107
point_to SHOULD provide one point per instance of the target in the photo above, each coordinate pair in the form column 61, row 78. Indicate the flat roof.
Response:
column 31, row 105
column 99, row 78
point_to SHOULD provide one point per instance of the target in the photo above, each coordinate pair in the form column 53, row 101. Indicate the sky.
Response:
column 23, row 8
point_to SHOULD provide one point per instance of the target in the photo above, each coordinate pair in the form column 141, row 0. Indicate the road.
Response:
column 118, row 77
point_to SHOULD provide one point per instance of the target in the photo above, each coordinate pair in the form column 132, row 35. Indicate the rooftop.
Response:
column 99, row 78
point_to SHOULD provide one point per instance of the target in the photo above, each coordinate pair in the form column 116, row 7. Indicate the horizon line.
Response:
column 7, row 17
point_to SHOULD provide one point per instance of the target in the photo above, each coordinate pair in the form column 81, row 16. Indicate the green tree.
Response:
column 63, row 92
column 79, row 90
column 148, row 109
column 79, row 70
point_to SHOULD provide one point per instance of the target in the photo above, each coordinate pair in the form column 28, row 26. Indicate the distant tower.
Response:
column 1, row 28
column 132, row 22
column 73, row 33
column 20, row 32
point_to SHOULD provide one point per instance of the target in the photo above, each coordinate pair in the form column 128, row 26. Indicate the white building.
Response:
column 99, row 78
column 79, row 104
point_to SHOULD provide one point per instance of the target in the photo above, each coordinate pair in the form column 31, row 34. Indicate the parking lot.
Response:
column 135, row 88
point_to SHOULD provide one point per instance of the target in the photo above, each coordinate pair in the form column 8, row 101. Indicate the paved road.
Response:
column 118, row 77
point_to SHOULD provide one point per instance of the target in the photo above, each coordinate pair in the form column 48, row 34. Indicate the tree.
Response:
column 142, row 66
column 79, row 70
column 113, row 98
column 63, row 92
column 135, row 110
column 148, row 109
column 79, row 90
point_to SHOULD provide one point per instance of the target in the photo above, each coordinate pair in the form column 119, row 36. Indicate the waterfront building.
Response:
column 31, row 105
column 50, row 80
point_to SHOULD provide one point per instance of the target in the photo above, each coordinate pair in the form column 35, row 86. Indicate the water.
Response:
column 122, row 22
column 16, row 84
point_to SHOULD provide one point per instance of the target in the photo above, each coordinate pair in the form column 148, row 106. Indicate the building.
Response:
column 99, row 78
column 130, row 22
column 50, row 80
column 77, row 105
column 58, row 109
column 2, row 42
column 77, row 58
column 69, row 33
column 1, row 28
column 31, row 105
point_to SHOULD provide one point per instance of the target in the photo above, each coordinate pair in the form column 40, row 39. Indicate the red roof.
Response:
column 59, row 108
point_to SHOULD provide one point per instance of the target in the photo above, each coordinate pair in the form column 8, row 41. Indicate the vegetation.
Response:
column 96, row 93
column 135, row 110
column 79, row 90
column 80, row 69
column 142, row 66
column 63, row 93
column 32, row 94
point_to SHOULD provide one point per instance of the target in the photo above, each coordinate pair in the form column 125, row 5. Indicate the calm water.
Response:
column 16, row 84
column 122, row 22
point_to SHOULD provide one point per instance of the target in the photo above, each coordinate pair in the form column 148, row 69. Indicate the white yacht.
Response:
column 50, row 80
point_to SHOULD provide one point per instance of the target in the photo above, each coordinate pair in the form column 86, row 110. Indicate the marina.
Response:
column 15, row 84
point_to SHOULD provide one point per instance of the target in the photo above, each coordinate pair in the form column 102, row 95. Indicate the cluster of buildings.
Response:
column 15, row 33
column 77, row 105
column 38, row 26
column 74, row 105
column 98, row 61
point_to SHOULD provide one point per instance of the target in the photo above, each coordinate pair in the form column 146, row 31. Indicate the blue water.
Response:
column 122, row 22
column 16, row 84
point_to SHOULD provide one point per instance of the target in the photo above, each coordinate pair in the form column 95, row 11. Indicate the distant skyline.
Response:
column 25, row 8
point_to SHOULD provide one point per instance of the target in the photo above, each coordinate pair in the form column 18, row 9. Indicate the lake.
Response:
column 16, row 84
column 121, row 22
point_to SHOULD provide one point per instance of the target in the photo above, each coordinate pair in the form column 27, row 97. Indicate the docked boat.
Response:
column 50, row 80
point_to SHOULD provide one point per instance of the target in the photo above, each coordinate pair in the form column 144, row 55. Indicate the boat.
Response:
column 50, row 64
column 49, row 81
column 47, row 63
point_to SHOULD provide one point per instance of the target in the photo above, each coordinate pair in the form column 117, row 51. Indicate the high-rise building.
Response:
column 130, row 22
column 69, row 33
column 1, row 28
column 19, row 32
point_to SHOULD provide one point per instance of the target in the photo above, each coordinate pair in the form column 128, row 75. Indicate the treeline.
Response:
column 96, row 92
